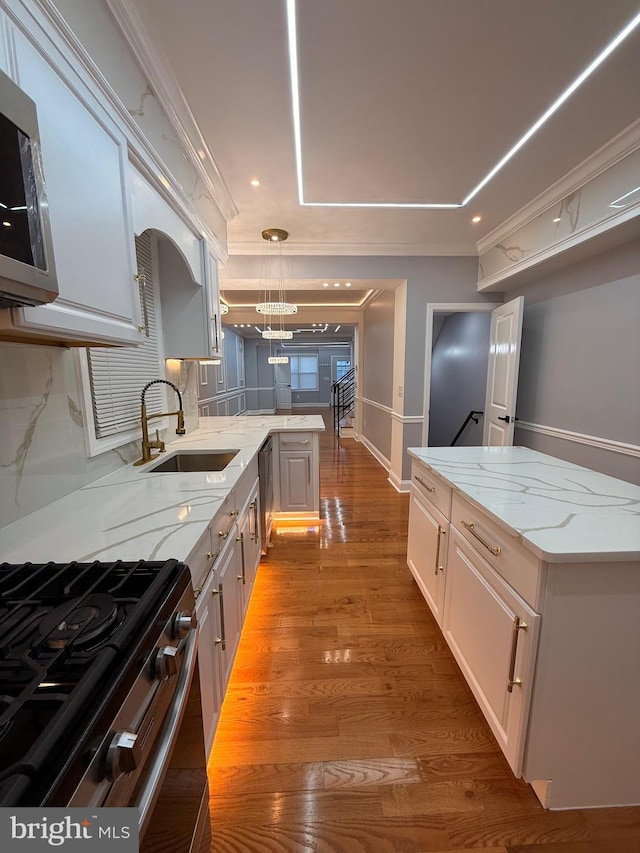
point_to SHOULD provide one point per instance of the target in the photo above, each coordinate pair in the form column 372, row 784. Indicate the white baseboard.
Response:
column 402, row 486
column 373, row 450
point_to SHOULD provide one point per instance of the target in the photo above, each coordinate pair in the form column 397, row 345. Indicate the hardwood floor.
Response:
column 347, row 727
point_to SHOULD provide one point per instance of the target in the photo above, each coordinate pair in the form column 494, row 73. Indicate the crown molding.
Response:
column 358, row 249
column 156, row 69
column 612, row 152
column 141, row 153
column 600, row 229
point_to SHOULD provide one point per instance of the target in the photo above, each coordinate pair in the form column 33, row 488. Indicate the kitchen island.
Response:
column 531, row 566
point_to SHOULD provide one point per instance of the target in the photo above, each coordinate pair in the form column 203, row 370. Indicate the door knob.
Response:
column 506, row 419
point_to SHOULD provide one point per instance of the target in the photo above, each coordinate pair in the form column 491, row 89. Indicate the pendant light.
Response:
column 274, row 301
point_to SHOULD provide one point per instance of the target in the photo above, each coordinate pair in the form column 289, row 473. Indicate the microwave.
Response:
column 27, row 268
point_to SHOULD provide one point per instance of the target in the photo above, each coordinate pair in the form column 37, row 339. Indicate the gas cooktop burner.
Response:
column 79, row 622
column 74, row 639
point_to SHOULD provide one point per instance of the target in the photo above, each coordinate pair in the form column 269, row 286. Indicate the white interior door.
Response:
column 502, row 373
column 283, row 386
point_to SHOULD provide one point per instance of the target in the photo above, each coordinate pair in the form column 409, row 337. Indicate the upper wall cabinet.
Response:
column 85, row 165
column 187, row 274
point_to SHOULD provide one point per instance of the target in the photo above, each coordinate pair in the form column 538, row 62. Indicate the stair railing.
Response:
column 343, row 397
column 470, row 417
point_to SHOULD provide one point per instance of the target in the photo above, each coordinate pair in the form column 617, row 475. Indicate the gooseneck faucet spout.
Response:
column 156, row 444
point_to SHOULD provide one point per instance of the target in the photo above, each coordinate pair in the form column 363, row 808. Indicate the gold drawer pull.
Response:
column 423, row 484
column 518, row 625
column 441, row 532
column 496, row 550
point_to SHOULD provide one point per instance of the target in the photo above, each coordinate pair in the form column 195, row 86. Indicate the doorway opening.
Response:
column 456, row 360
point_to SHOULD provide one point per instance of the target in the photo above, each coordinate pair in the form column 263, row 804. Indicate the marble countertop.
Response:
column 133, row 514
column 560, row 511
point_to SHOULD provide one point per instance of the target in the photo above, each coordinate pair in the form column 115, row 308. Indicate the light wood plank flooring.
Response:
column 347, row 727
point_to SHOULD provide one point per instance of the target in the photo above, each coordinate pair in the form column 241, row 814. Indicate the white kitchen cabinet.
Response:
column 187, row 275
column 493, row 634
column 427, row 552
column 209, row 660
column 296, row 486
column 228, row 593
column 250, row 542
column 214, row 322
column 543, row 618
column 85, row 165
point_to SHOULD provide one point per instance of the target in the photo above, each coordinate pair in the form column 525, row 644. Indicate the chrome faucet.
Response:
column 155, row 444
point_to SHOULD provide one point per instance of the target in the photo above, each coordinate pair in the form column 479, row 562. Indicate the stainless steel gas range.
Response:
column 97, row 663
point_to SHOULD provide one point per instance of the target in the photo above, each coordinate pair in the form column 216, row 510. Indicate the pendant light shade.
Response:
column 277, row 335
column 274, row 298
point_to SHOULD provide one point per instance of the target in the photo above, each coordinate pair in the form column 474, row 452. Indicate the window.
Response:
column 304, row 372
column 116, row 375
column 342, row 366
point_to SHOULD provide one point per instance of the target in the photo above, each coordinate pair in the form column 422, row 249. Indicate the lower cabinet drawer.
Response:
column 427, row 486
column 513, row 562
column 493, row 635
column 296, row 441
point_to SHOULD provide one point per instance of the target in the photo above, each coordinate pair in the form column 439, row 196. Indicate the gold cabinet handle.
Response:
column 441, row 532
column 223, row 534
column 423, row 484
column 223, row 639
column 518, row 625
column 496, row 550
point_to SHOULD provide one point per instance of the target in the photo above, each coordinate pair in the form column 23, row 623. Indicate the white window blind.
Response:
column 118, row 374
column 304, row 372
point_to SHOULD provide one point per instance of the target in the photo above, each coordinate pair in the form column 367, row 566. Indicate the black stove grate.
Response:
column 72, row 636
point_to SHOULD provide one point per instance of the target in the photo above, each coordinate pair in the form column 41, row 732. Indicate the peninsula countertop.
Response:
column 561, row 512
column 133, row 514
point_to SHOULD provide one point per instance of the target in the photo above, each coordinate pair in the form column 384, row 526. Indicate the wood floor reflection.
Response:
column 347, row 727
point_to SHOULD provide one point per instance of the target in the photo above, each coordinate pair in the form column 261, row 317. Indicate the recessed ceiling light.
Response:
column 558, row 219
column 347, row 284
column 255, row 183
column 6, row 224
column 337, row 284
column 476, row 219
column 326, row 284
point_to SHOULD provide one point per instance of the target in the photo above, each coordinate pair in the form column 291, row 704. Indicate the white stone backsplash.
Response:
column 42, row 444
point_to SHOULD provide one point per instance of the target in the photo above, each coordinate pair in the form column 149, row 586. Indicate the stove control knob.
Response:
column 182, row 623
column 166, row 662
column 123, row 755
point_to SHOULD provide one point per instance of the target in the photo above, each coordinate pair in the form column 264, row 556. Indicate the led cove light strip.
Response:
column 555, row 106
column 622, row 197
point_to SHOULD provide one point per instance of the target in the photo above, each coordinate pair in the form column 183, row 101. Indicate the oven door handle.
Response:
column 168, row 737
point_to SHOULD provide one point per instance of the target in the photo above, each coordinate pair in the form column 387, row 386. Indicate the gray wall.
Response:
column 259, row 377
column 376, row 373
column 321, row 397
column 429, row 279
column 580, row 362
column 224, row 392
column 458, row 378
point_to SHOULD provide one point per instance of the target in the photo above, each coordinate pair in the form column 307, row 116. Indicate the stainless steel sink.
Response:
column 207, row 460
